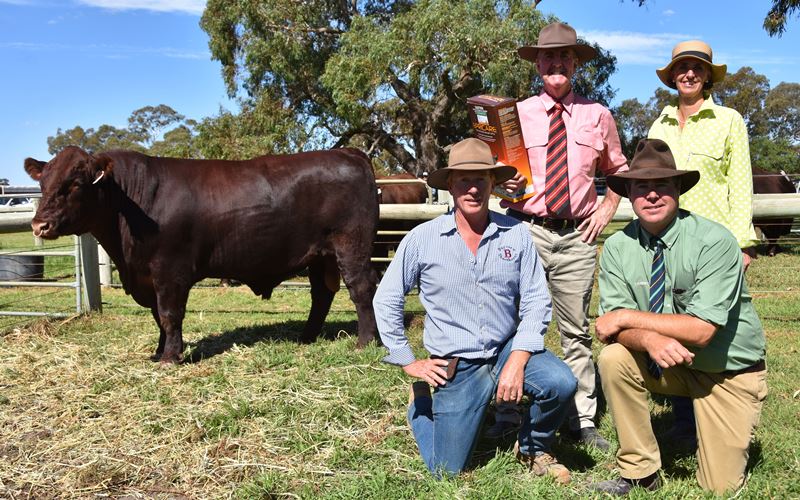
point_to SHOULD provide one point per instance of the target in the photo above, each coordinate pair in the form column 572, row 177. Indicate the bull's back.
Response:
column 232, row 217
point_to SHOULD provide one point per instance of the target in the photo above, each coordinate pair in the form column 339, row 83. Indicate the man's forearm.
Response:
column 686, row 329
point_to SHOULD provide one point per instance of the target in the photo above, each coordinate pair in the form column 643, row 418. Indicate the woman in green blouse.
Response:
column 712, row 139
column 709, row 138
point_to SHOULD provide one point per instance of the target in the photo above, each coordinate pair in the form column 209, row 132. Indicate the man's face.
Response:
column 470, row 190
column 689, row 76
column 556, row 67
column 655, row 202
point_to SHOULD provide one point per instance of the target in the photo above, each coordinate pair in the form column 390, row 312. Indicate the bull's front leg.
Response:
column 171, row 296
column 162, row 336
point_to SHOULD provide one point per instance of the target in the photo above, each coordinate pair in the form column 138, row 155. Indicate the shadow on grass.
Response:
column 288, row 331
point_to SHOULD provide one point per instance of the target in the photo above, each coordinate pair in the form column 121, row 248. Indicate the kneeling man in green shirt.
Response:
column 677, row 319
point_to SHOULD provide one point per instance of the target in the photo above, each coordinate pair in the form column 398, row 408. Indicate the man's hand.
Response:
column 667, row 351
column 510, row 384
column 607, row 326
column 746, row 258
column 431, row 371
column 514, row 184
column 594, row 225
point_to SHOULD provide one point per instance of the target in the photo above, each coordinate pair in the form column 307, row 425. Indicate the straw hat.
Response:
column 652, row 160
column 557, row 36
column 692, row 49
column 470, row 154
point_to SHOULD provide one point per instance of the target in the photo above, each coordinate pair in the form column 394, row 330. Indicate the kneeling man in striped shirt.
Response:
column 487, row 309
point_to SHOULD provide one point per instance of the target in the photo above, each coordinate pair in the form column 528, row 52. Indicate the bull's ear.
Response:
column 102, row 167
column 34, row 168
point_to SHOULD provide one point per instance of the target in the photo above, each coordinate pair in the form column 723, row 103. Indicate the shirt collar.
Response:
column 447, row 225
column 669, row 235
column 670, row 112
column 566, row 101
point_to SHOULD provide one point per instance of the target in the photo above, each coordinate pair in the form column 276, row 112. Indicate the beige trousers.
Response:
column 569, row 265
column 727, row 409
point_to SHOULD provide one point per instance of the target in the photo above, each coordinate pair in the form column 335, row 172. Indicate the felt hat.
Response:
column 558, row 36
column 652, row 160
column 470, row 154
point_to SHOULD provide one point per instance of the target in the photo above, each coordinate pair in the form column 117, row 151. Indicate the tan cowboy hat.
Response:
column 470, row 154
column 556, row 36
column 692, row 49
column 652, row 160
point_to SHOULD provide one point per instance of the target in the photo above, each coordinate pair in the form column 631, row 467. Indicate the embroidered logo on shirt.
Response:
column 507, row 253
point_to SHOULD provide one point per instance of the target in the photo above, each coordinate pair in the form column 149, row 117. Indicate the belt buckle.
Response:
column 553, row 224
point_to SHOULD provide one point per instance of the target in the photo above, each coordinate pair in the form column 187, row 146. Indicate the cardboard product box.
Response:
column 496, row 122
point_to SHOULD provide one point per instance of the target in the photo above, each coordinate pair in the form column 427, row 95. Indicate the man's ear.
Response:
column 102, row 166
column 34, row 168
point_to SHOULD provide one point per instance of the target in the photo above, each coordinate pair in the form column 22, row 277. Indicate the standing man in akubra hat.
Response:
column 568, row 139
column 712, row 140
column 487, row 310
column 678, row 320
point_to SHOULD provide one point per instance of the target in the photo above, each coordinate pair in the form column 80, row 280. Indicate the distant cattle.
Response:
column 391, row 194
column 168, row 223
column 766, row 182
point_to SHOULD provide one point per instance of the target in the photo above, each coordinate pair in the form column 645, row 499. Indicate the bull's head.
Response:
column 70, row 185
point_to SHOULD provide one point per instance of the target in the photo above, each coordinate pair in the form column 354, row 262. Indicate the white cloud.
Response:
column 668, row 12
column 188, row 6
column 635, row 48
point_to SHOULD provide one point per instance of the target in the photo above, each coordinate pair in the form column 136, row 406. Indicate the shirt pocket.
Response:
column 589, row 144
column 709, row 159
column 681, row 299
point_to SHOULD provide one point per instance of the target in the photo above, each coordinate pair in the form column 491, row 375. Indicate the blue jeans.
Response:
column 446, row 426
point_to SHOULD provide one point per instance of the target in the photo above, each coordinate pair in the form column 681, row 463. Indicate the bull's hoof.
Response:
column 170, row 360
column 363, row 341
column 307, row 339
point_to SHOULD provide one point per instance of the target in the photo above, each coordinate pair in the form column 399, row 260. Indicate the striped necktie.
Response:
column 657, row 275
column 556, row 188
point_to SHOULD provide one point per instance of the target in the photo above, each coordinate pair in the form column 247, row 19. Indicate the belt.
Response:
column 758, row 366
column 546, row 222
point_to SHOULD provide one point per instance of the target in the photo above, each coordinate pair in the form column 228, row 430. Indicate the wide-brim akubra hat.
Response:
column 652, row 160
column 470, row 154
column 558, row 36
column 692, row 49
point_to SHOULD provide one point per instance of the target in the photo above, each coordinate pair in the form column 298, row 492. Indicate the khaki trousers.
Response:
column 727, row 409
column 569, row 264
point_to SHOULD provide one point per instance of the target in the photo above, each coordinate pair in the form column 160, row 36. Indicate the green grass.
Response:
column 254, row 414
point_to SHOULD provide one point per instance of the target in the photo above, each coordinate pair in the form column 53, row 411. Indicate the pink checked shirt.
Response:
column 592, row 144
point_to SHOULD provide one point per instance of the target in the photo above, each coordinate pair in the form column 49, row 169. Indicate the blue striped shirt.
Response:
column 473, row 303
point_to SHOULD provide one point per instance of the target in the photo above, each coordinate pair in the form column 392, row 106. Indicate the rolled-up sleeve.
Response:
column 718, row 282
column 535, row 307
column 401, row 276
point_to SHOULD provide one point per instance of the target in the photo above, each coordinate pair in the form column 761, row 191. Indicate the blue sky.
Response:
column 92, row 62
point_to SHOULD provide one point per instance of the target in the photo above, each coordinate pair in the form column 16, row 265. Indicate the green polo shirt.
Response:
column 704, row 279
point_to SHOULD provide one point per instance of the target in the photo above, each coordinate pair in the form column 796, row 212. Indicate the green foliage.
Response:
column 782, row 108
column 393, row 76
column 263, row 126
column 145, row 126
column 775, row 155
column 745, row 91
column 634, row 119
column 778, row 15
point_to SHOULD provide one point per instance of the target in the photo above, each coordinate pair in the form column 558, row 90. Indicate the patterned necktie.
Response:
column 657, row 275
column 556, row 188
